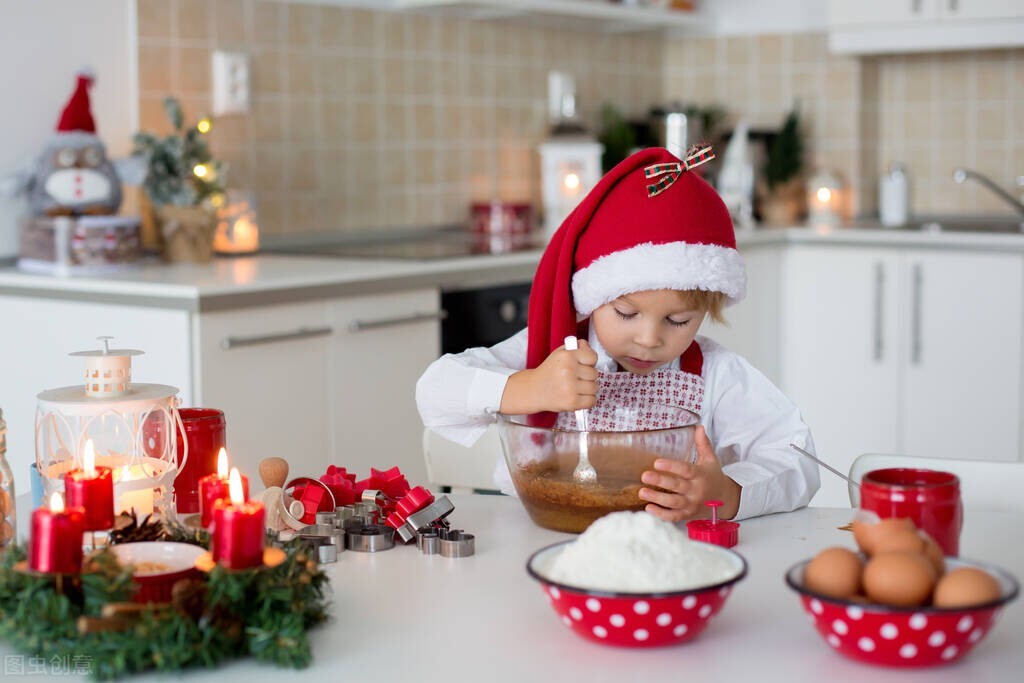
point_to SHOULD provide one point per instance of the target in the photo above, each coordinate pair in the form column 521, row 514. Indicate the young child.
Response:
column 634, row 270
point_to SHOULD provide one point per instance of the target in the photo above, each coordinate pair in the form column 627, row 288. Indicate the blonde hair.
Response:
column 711, row 303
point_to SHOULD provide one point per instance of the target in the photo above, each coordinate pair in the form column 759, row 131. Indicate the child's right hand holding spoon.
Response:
column 564, row 382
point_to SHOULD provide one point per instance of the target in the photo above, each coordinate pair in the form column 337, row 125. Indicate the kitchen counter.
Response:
column 229, row 283
column 968, row 240
column 401, row 615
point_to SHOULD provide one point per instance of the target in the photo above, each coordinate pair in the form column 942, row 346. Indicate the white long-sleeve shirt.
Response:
column 749, row 421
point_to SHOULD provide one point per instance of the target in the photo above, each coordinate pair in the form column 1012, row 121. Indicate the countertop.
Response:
column 268, row 278
column 399, row 615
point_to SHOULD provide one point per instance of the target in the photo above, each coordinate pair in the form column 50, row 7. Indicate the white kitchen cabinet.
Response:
column 318, row 382
column 380, row 346
column 845, row 13
column 883, row 26
column 37, row 336
column 328, row 382
column 908, row 351
column 751, row 326
column 266, row 368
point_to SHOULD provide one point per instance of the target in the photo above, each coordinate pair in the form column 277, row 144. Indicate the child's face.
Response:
column 644, row 330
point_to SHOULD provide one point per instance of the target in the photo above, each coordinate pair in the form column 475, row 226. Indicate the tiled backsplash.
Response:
column 366, row 119
column 372, row 119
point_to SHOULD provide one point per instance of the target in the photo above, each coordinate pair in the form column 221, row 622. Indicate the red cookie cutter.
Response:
column 724, row 533
column 415, row 500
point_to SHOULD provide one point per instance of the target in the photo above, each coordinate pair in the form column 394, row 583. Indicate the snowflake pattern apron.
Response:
column 631, row 402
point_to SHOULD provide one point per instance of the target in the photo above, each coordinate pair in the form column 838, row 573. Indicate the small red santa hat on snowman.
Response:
column 650, row 223
column 77, row 114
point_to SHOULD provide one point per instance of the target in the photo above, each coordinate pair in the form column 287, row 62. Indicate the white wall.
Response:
column 43, row 43
column 748, row 17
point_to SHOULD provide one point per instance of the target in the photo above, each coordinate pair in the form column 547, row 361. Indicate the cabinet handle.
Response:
column 915, row 6
column 363, row 325
column 229, row 343
column 879, row 348
column 954, row 6
column 915, row 316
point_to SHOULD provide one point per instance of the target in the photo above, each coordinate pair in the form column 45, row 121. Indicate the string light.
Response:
column 200, row 170
column 204, row 125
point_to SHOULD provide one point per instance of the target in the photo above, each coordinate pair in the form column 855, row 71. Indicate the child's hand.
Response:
column 689, row 485
column 565, row 381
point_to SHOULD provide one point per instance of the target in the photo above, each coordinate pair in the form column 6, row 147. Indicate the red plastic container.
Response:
column 929, row 497
column 205, row 429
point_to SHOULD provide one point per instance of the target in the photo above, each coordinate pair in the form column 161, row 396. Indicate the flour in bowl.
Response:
column 635, row 552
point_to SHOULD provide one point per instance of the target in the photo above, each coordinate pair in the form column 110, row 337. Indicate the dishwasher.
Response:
column 483, row 316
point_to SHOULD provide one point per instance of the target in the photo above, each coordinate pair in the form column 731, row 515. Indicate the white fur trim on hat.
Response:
column 674, row 265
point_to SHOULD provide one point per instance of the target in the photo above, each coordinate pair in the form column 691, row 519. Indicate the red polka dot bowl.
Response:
column 904, row 637
column 634, row 619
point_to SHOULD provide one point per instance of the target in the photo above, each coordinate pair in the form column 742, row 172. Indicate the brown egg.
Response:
column 867, row 534
column 901, row 579
column 899, row 541
column 933, row 551
column 966, row 587
column 835, row 572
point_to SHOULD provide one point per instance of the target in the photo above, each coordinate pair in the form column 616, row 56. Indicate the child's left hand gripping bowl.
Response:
column 686, row 486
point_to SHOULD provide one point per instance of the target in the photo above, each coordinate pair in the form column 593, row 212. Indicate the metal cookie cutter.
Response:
column 457, row 543
column 370, row 539
column 428, row 541
column 439, row 509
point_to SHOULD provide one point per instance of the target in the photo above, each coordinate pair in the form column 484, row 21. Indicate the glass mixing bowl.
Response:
column 543, row 460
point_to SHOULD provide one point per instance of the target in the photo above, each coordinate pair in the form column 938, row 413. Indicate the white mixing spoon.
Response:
column 584, row 472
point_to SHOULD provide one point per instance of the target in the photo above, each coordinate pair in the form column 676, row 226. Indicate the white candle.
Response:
column 133, row 490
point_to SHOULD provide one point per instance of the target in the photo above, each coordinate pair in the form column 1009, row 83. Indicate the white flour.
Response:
column 636, row 552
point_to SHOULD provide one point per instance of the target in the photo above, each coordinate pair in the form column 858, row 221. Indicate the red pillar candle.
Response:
column 91, row 489
column 237, row 530
column 214, row 487
column 55, row 544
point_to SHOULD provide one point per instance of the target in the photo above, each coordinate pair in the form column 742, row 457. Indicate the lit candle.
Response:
column 91, row 489
column 214, row 487
column 237, row 530
column 134, row 490
column 55, row 544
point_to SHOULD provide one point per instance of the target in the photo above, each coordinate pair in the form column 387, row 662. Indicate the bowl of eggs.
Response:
column 898, row 602
column 157, row 565
column 633, row 580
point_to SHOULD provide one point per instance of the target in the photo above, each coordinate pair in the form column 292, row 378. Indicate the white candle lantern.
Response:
column 132, row 427
column 570, row 167
column 824, row 200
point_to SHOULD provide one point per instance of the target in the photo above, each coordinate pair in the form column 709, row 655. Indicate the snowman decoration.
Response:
column 73, row 175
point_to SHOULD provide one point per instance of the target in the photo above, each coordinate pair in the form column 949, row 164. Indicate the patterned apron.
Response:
column 631, row 402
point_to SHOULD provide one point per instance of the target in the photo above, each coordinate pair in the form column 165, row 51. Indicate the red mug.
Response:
column 928, row 497
column 205, row 431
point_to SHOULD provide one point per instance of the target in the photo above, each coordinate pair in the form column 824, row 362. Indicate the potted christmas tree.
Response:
column 183, row 185
column 782, row 200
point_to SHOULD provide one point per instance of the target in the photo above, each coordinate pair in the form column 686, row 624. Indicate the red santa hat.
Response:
column 650, row 223
column 77, row 114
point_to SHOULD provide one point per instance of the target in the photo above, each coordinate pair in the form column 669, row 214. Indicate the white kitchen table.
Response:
column 400, row 615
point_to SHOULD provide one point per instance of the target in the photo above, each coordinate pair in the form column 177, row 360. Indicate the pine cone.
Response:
column 188, row 596
column 127, row 529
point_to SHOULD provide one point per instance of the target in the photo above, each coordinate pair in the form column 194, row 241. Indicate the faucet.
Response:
column 960, row 175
